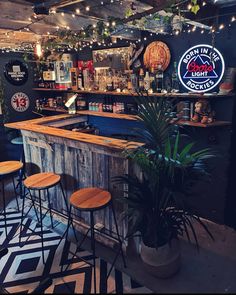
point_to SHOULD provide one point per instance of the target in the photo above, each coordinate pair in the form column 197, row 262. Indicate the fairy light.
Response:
column 189, row 6
column 221, row 27
column 203, row 3
column 233, row 19
column 62, row 14
column 87, row 8
column 202, row 31
column 113, row 23
column 73, row 15
column 77, row 11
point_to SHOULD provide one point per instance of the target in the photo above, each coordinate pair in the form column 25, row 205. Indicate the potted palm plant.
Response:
column 156, row 209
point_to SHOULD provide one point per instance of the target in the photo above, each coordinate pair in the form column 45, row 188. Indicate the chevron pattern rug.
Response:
column 22, row 269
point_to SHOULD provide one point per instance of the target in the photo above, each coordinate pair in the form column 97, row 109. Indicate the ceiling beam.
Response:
column 157, row 6
column 62, row 3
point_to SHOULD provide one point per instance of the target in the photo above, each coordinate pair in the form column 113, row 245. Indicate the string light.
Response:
column 77, row 11
column 233, row 19
column 62, row 14
column 87, row 8
column 221, row 27
column 73, row 15
column 203, row 3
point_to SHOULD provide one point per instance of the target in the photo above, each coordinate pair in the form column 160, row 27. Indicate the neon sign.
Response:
column 201, row 68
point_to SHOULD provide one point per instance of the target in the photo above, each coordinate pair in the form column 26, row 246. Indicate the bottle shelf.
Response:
column 173, row 95
column 135, row 118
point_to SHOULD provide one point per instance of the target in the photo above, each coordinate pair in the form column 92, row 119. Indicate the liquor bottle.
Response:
column 129, row 83
column 174, row 79
column 80, row 79
column 147, row 81
column 141, row 80
column 134, row 82
column 159, row 79
column 62, row 71
column 115, row 81
column 153, row 80
column 109, row 81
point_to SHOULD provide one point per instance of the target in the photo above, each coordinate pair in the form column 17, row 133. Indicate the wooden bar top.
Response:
column 36, row 125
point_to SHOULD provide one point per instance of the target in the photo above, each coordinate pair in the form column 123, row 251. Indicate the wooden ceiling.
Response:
column 18, row 24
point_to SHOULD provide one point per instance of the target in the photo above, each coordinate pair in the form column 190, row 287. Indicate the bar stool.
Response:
column 42, row 182
column 93, row 199
column 7, row 169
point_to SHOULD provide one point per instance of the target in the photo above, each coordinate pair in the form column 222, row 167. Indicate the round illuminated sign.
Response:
column 20, row 102
column 201, row 68
column 16, row 72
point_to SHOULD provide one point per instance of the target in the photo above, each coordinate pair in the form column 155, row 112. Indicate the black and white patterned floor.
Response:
column 22, row 269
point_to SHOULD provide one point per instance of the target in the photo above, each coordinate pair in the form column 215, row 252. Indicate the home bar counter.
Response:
column 82, row 160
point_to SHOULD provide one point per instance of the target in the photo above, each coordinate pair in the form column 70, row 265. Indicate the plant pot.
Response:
column 162, row 262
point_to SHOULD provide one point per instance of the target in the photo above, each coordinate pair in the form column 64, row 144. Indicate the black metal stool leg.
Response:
column 118, row 235
column 16, row 196
column 22, row 217
column 33, row 203
column 70, row 219
column 4, row 207
column 93, row 249
column 41, row 225
column 50, row 208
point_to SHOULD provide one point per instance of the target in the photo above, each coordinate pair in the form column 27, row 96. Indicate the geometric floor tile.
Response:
column 22, row 269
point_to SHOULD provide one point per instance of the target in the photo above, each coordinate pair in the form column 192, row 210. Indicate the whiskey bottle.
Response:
column 80, row 79
column 141, row 80
column 153, row 80
column 159, row 79
column 134, row 82
column 147, row 81
column 174, row 79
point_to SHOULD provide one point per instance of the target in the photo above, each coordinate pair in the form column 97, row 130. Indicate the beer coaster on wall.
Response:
column 16, row 72
column 20, row 102
column 157, row 53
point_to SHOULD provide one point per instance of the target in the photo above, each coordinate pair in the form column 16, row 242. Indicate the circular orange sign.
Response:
column 157, row 53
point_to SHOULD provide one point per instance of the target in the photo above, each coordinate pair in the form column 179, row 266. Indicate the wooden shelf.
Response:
column 214, row 124
column 58, row 110
column 108, row 115
column 173, row 95
column 134, row 118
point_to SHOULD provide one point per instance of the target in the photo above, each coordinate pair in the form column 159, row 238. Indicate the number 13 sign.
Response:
column 20, row 102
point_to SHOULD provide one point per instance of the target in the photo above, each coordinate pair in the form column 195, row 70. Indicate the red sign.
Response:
column 20, row 102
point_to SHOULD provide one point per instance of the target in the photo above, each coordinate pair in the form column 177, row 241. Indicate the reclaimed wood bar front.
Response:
column 82, row 160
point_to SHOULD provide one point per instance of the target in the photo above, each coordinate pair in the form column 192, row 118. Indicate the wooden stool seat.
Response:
column 90, row 198
column 42, row 180
column 8, row 167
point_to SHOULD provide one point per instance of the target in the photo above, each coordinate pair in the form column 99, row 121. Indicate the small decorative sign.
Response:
column 20, row 102
column 201, row 68
column 16, row 72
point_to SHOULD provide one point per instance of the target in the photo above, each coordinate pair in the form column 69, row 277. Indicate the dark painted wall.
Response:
column 9, row 151
column 216, row 200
